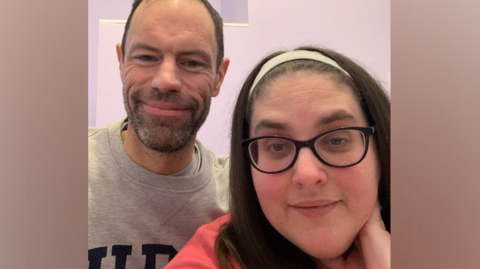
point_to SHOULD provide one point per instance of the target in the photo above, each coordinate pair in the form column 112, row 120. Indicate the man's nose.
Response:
column 167, row 76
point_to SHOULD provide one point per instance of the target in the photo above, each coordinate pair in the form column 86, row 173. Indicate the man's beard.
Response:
column 159, row 134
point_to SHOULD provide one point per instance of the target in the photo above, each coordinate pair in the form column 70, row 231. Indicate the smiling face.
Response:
column 169, row 72
column 318, row 208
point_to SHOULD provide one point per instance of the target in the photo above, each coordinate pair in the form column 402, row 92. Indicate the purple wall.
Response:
column 359, row 29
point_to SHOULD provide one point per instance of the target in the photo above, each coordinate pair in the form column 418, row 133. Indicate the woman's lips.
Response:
column 314, row 209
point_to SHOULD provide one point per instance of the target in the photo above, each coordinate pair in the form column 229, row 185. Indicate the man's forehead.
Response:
column 192, row 15
column 149, row 4
column 198, row 14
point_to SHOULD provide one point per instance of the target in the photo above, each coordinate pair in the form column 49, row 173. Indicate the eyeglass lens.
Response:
column 339, row 148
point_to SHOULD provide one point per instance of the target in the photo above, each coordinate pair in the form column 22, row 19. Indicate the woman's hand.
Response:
column 371, row 248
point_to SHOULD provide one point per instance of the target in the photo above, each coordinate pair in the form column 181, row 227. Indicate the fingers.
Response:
column 374, row 241
column 371, row 247
column 331, row 263
column 376, row 217
column 354, row 260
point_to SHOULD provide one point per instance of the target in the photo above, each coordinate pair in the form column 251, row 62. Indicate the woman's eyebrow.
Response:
column 339, row 115
column 267, row 124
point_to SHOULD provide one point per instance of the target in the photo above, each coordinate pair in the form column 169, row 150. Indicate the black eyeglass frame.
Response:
column 367, row 132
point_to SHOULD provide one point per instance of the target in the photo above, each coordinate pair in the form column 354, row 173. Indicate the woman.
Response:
column 323, row 202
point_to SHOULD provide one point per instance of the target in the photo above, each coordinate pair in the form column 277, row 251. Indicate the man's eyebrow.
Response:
column 143, row 46
column 267, row 124
column 196, row 52
column 339, row 115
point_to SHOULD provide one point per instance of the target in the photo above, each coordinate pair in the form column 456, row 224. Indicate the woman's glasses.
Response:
column 342, row 147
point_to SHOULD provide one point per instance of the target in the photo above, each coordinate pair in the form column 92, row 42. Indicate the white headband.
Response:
column 289, row 56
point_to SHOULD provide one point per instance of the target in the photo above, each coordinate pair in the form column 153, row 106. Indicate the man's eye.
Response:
column 192, row 63
column 145, row 58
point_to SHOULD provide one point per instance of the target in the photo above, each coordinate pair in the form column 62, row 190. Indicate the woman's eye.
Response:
column 277, row 147
column 337, row 141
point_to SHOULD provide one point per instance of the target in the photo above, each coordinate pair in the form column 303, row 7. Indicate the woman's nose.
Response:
column 308, row 169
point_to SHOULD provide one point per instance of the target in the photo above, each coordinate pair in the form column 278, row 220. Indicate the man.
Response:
column 151, row 183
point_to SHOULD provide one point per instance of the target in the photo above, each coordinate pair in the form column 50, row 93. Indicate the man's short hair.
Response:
column 217, row 22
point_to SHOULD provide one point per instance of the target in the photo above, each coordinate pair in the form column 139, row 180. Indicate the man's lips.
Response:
column 314, row 209
column 165, row 109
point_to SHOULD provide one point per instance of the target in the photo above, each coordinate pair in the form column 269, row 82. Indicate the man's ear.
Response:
column 120, row 59
column 222, row 71
column 119, row 55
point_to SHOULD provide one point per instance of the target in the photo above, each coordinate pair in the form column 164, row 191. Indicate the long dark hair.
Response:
column 248, row 237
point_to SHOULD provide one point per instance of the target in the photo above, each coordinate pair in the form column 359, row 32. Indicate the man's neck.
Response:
column 157, row 162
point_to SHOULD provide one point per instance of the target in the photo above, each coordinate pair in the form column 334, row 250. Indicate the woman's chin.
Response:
column 328, row 251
